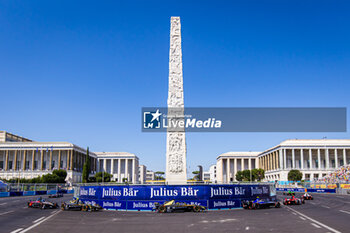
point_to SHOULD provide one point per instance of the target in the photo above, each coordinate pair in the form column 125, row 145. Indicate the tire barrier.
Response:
column 142, row 197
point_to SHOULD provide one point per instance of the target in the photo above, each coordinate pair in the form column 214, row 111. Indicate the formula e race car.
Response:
column 289, row 193
column 307, row 196
column 57, row 195
column 293, row 201
column 42, row 204
column 260, row 204
column 77, row 204
column 172, row 206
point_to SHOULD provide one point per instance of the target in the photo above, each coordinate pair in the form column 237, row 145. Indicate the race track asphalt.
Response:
column 15, row 214
column 327, row 213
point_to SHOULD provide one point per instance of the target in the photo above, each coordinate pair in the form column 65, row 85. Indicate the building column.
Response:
column 126, row 170
column 68, row 159
column 327, row 158
column 33, row 159
column 50, row 165
column 284, row 158
column 250, row 163
column 273, row 161
column 302, row 159
column 105, row 165
column 227, row 170
column 310, row 158
column 242, row 164
column 344, row 157
column 293, row 158
column 319, row 158
column 112, row 166
column 71, row 160
column 235, row 167
column 280, row 158
column 15, row 160
column 119, row 170
column 134, row 171
column 59, row 159
column 42, row 160
column 276, row 160
column 336, row 157
column 6, row 160
column 24, row 160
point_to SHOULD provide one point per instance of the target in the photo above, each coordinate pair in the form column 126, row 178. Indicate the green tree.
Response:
column 295, row 175
column 196, row 175
column 258, row 174
column 239, row 176
column 106, row 177
column 246, row 175
column 159, row 175
column 86, row 167
column 57, row 176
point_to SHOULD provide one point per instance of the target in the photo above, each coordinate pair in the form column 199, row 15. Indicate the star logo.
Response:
column 156, row 115
column 151, row 120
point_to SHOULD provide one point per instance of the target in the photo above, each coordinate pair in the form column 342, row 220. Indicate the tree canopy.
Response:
column 295, row 175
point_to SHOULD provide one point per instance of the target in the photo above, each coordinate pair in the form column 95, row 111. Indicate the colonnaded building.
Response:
column 315, row 158
column 25, row 158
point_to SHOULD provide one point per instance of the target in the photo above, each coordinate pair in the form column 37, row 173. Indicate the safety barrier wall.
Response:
column 32, row 193
column 140, row 197
column 308, row 190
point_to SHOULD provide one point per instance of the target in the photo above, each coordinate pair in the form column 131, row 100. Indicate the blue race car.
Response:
column 260, row 204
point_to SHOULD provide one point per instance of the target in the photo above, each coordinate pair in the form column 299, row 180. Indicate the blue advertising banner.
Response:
column 140, row 197
column 308, row 190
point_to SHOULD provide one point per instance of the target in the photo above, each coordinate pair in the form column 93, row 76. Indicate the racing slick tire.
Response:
column 196, row 209
column 253, row 206
column 277, row 205
column 162, row 209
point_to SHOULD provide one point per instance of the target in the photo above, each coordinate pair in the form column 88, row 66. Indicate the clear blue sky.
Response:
column 80, row 71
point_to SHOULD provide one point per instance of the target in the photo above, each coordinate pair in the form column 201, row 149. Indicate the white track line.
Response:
column 326, row 206
column 3, row 203
column 315, row 221
column 38, row 219
column 315, row 225
column 302, row 218
column 6, row 212
column 38, row 223
column 344, row 211
column 15, row 231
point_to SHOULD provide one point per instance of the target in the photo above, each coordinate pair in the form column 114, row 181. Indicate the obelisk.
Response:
column 176, row 172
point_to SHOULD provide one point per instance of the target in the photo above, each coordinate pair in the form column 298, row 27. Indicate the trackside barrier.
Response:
column 4, row 194
column 138, row 197
column 308, row 190
column 33, row 193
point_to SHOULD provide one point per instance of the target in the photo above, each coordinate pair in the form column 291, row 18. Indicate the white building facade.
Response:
column 123, row 166
column 228, row 164
column 314, row 158
column 33, row 159
column 210, row 175
column 142, row 174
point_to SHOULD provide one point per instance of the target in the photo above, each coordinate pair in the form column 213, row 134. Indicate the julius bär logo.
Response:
column 152, row 120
